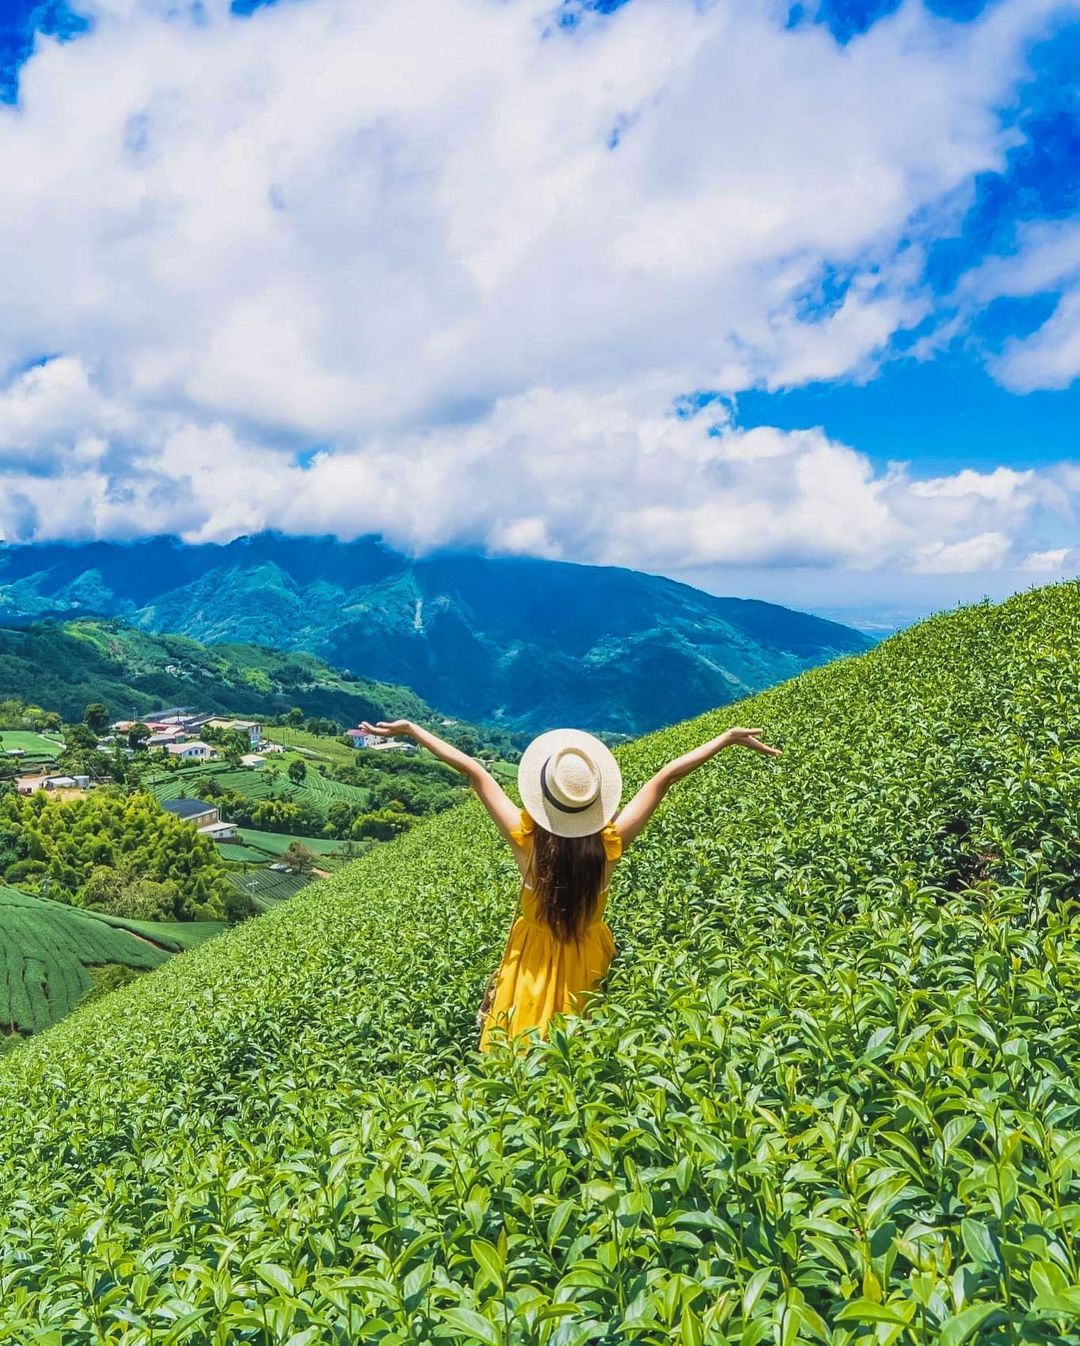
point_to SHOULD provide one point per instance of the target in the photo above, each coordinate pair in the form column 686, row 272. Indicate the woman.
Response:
column 566, row 841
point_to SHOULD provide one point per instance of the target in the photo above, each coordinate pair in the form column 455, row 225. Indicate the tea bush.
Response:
column 831, row 1094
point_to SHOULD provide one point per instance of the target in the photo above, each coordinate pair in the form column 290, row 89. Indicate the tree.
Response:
column 299, row 858
column 381, row 825
column 78, row 737
column 106, row 978
column 297, row 770
column 121, row 891
column 239, row 906
column 96, row 717
column 295, row 717
column 137, row 736
column 231, row 743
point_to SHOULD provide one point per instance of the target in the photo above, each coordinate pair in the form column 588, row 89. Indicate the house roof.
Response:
column 187, row 808
column 181, row 748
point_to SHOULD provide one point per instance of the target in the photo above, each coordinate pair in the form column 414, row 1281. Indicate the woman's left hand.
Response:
column 387, row 728
column 748, row 738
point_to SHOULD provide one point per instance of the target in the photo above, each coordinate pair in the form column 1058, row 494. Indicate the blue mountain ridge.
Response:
column 520, row 642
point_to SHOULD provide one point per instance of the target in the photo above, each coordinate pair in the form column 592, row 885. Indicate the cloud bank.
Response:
column 439, row 271
column 564, row 473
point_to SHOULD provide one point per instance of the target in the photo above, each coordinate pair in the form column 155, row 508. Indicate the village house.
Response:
column 250, row 727
column 219, row 831
column 27, row 785
column 205, row 818
column 195, row 811
column 196, row 751
column 161, row 738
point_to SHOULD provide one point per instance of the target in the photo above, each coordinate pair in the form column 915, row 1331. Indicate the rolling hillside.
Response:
column 518, row 642
column 830, row 1095
column 63, row 666
column 46, row 949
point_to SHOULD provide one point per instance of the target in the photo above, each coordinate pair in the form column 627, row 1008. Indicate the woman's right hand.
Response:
column 748, row 738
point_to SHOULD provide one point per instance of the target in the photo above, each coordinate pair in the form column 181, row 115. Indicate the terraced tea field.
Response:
column 181, row 784
column 256, row 783
column 322, row 791
column 47, row 947
column 268, row 887
column 312, row 745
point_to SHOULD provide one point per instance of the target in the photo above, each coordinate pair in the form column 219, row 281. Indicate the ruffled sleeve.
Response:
column 612, row 841
column 522, row 834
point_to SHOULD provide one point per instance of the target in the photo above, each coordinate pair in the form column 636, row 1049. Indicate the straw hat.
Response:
column 569, row 782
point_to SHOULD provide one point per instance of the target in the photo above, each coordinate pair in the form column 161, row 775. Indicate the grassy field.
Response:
column 829, row 1095
column 311, row 744
column 277, row 843
column 36, row 745
column 46, row 948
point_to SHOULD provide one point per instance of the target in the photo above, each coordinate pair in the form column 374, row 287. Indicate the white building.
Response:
column 219, row 831
column 196, row 751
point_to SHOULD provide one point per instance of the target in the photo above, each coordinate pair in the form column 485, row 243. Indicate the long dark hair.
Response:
column 566, row 875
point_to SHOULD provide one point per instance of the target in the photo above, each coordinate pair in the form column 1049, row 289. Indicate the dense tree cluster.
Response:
column 16, row 714
column 112, row 851
column 293, row 817
column 412, row 784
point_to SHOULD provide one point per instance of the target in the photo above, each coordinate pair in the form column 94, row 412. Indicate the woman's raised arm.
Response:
column 640, row 809
column 504, row 812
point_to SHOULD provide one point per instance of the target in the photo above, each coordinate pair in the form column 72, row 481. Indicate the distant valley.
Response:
column 517, row 642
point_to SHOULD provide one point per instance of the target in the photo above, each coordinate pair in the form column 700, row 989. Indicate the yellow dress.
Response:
column 541, row 975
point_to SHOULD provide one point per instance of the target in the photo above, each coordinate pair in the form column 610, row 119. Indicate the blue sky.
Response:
column 445, row 276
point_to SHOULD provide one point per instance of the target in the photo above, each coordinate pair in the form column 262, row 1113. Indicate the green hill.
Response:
column 830, row 1096
column 47, row 949
column 65, row 665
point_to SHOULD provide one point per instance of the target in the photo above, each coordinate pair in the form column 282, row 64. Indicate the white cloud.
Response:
column 1050, row 357
column 1054, row 561
column 397, row 232
column 332, row 216
column 609, row 477
column 985, row 551
column 1046, row 261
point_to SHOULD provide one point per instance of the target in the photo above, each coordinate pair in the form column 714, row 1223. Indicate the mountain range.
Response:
column 518, row 642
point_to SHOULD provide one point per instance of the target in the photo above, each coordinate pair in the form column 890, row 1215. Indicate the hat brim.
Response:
column 603, row 808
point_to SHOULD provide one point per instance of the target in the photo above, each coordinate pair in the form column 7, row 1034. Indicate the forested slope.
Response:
column 831, row 1095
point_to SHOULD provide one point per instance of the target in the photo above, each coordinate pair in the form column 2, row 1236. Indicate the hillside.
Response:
column 520, row 642
column 65, row 665
column 830, row 1095
column 49, row 947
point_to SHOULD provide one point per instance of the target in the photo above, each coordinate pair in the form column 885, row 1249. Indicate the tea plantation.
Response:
column 47, row 947
column 832, row 1094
